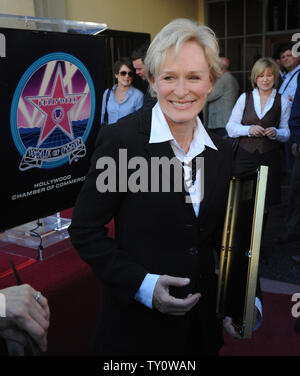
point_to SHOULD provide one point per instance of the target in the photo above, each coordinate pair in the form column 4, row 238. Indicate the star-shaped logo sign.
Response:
column 56, row 108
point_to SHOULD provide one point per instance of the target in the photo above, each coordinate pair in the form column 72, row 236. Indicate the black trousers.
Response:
column 293, row 208
column 246, row 162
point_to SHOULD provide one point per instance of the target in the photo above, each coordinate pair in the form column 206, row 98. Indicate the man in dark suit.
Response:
column 293, row 208
column 138, row 57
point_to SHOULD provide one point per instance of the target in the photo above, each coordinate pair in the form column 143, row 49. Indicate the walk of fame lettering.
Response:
column 56, row 108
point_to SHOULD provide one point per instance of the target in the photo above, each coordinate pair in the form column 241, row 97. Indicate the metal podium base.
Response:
column 37, row 235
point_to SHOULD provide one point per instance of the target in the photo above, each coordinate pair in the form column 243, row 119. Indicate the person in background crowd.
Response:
column 123, row 98
column 221, row 100
column 158, row 275
column 282, row 71
column 260, row 120
column 138, row 57
column 291, row 64
column 26, row 313
column 297, row 326
column 293, row 204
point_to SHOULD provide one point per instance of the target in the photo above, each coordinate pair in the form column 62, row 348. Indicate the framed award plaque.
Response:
column 240, row 251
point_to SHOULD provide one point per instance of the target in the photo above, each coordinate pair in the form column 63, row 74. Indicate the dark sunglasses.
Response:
column 123, row 73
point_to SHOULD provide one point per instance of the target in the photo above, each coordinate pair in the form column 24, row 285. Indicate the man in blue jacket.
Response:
column 293, row 209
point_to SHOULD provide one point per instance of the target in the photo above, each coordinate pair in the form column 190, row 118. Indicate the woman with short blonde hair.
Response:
column 260, row 66
column 260, row 120
column 158, row 274
column 174, row 35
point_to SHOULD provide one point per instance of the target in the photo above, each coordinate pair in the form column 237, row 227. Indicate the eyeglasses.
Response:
column 123, row 73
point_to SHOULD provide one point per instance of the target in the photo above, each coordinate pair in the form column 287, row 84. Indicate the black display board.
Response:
column 51, row 86
column 239, row 258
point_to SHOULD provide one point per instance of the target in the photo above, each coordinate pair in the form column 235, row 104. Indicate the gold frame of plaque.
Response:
column 239, row 257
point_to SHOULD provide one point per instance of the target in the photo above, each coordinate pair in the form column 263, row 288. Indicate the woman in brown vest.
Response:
column 260, row 120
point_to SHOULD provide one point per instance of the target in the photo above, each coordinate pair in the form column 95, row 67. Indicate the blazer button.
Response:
column 193, row 251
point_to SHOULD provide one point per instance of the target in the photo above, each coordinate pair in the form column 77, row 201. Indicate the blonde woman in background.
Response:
column 260, row 120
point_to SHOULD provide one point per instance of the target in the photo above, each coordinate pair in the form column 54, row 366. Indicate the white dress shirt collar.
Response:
column 257, row 104
column 160, row 132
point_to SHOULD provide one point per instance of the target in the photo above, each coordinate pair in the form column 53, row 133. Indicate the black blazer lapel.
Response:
column 211, row 167
column 161, row 149
column 164, row 149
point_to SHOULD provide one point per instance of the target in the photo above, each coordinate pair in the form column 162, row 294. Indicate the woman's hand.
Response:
column 230, row 329
column 166, row 303
column 270, row 132
column 295, row 150
column 257, row 131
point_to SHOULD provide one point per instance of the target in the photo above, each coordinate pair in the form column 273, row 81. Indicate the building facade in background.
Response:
column 250, row 29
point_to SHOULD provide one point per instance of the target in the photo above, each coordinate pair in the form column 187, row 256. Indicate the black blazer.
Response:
column 155, row 232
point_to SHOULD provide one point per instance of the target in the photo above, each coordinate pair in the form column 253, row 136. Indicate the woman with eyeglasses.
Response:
column 123, row 98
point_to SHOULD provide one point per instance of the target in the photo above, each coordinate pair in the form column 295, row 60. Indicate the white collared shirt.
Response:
column 133, row 101
column 160, row 132
column 235, row 128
